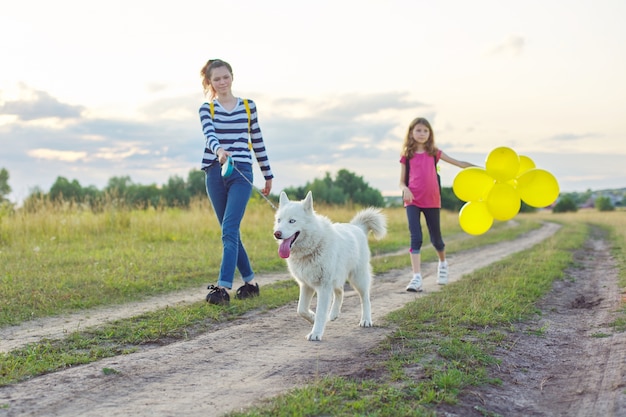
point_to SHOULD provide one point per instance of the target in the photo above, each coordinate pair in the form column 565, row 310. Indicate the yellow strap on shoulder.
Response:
column 247, row 106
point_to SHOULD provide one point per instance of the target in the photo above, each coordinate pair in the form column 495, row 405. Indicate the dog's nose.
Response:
column 278, row 235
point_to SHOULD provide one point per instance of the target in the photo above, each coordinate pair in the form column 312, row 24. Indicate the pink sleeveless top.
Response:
column 423, row 180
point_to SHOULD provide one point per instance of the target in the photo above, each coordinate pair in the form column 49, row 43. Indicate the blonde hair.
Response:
column 206, row 71
column 410, row 146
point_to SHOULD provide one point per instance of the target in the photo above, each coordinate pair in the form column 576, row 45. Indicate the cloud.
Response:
column 52, row 154
column 344, row 131
column 181, row 108
column 156, row 87
column 122, row 151
column 355, row 106
column 39, row 105
column 513, row 45
column 337, row 128
column 567, row 137
column 359, row 132
column 118, row 152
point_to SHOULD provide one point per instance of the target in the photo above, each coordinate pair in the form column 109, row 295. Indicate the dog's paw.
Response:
column 333, row 317
column 314, row 337
column 366, row 323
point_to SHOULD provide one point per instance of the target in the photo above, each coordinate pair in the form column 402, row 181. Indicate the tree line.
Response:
column 345, row 188
column 601, row 200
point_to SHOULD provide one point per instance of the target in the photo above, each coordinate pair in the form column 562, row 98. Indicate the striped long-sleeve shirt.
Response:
column 229, row 130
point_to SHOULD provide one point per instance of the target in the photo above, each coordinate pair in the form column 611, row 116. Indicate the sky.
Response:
column 91, row 91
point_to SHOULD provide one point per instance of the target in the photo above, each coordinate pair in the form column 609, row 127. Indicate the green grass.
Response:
column 59, row 261
column 442, row 345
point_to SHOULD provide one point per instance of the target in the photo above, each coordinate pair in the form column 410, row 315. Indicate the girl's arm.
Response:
column 402, row 182
column 450, row 160
column 407, row 195
column 258, row 146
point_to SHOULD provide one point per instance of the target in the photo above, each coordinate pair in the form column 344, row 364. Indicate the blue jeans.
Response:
column 432, row 216
column 229, row 197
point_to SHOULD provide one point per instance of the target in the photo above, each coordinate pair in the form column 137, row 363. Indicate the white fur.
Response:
column 324, row 255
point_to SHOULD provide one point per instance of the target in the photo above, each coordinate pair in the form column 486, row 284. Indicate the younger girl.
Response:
column 421, row 194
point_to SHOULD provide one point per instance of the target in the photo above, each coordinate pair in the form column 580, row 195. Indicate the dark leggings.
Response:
column 415, row 228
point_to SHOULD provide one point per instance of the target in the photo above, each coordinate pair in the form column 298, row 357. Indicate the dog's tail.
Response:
column 371, row 219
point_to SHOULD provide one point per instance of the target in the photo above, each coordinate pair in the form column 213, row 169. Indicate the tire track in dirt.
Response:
column 568, row 361
column 238, row 363
column 58, row 327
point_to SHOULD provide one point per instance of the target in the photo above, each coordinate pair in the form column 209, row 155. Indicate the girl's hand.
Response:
column 268, row 187
column 407, row 195
column 222, row 155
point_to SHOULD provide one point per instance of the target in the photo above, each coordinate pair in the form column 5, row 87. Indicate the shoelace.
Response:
column 214, row 289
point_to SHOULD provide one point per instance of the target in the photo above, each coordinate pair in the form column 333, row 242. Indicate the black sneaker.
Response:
column 217, row 296
column 247, row 291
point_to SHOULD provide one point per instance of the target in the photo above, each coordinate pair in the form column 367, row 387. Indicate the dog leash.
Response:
column 227, row 170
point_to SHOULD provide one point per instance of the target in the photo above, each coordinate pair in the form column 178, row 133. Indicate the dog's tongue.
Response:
column 284, row 250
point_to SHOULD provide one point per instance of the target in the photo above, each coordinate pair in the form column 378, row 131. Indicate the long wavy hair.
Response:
column 410, row 145
column 206, row 71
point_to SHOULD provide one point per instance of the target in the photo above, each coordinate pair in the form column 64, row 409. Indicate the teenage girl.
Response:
column 228, row 132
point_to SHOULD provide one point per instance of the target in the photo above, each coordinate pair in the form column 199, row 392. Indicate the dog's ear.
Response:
column 308, row 202
column 283, row 198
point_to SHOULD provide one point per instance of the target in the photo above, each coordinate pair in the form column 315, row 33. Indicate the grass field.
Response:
column 61, row 260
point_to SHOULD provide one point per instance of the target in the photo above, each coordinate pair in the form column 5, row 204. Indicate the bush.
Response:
column 565, row 204
column 604, row 204
column 347, row 187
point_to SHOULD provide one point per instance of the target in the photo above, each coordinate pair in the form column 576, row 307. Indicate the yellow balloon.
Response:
column 502, row 163
column 503, row 202
column 512, row 183
column 525, row 163
column 475, row 218
column 538, row 188
column 472, row 184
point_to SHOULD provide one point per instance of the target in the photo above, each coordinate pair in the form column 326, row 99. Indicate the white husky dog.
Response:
column 321, row 255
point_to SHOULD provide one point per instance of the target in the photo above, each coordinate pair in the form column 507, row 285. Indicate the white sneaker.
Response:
column 416, row 284
column 442, row 273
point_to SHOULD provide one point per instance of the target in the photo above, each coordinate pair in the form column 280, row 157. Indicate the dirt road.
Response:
column 261, row 355
column 569, row 362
